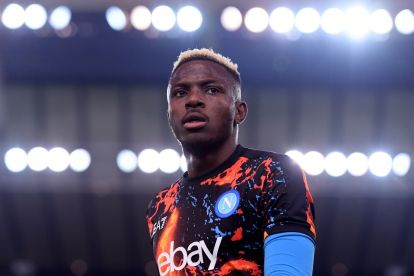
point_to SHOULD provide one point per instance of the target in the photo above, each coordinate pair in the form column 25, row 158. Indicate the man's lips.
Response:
column 194, row 120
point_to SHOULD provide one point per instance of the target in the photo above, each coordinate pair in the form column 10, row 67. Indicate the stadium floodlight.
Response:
column 256, row 20
column 231, row 19
column 169, row 161
column 13, row 16
column 335, row 164
column 148, row 160
column 163, row 18
column 58, row 159
column 401, row 164
column 381, row 21
column 189, row 18
column 60, row 17
column 282, row 20
column 296, row 155
column 333, row 21
column 141, row 18
column 357, row 23
column 116, row 18
column 404, row 22
column 37, row 159
column 126, row 160
column 15, row 160
column 183, row 163
column 79, row 160
column 35, row 16
column 380, row 164
column 357, row 164
column 313, row 163
column 307, row 20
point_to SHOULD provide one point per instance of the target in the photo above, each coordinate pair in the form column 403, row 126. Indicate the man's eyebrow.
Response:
column 202, row 83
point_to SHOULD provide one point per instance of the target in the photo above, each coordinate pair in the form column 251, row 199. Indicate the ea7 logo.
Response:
column 193, row 257
column 158, row 225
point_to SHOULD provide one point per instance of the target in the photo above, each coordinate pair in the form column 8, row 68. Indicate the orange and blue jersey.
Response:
column 216, row 224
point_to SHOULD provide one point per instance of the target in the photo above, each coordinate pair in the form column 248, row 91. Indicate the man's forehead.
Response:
column 201, row 69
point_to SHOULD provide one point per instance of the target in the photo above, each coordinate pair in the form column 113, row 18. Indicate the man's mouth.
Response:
column 194, row 120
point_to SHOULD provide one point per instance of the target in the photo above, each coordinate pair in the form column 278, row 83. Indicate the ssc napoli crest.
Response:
column 227, row 203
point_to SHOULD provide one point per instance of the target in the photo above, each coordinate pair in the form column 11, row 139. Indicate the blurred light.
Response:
column 256, row 20
column 357, row 164
column 335, row 164
column 307, row 20
column 15, row 160
column 189, row 19
column 148, row 160
column 357, row 22
column 401, row 164
column 169, row 161
column 282, row 20
column 79, row 267
column 35, row 16
column 116, row 18
column 404, row 22
column 163, row 18
column 79, row 160
column 141, row 18
column 37, row 159
column 333, row 21
column 13, row 16
column 296, row 155
column 60, row 18
column 183, row 163
column 126, row 161
column 380, row 164
column 381, row 22
column 58, row 160
column 231, row 19
column 313, row 163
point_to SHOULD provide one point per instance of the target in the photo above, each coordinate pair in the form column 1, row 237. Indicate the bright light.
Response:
column 357, row 22
column 169, row 161
column 380, row 164
column 79, row 160
column 335, row 164
column 148, row 160
column 60, row 18
column 333, row 21
column 296, row 155
column 401, row 164
column 15, row 160
column 58, row 159
column 163, row 18
column 141, row 18
column 116, row 18
column 35, row 16
column 183, row 163
column 313, row 163
column 282, row 20
column 231, row 19
column 308, row 20
column 13, row 16
column 404, row 22
column 189, row 19
column 126, row 160
column 37, row 159
column 357, row 164
column 381, row 22
column 256, row 20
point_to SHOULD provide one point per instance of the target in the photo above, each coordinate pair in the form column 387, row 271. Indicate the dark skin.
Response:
column 204, row 114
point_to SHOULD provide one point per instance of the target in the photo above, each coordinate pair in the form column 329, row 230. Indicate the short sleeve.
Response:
column 288, row 204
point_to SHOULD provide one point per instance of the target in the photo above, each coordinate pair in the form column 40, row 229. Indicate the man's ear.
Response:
column 241, row 112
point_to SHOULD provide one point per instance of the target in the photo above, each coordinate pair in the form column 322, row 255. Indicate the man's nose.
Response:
column 195, row 99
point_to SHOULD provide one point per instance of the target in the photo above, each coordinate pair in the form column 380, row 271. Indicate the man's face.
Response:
column 201, row 104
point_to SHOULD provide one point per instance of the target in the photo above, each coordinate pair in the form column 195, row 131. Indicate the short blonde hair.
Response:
column 209, row 54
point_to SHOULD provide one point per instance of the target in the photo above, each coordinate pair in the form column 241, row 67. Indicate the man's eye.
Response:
column 180, row 93
column 212, row 90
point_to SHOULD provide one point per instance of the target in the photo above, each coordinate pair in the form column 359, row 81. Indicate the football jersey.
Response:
column 216, row 224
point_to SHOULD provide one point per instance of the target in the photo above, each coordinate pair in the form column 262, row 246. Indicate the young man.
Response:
column 236, row 211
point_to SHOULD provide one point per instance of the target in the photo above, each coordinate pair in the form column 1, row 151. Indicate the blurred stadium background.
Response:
column 85, row 143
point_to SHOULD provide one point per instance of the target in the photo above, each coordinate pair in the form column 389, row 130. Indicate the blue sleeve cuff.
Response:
column 288, row 254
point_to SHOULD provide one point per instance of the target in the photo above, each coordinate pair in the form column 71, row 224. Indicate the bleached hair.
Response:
column 209, row 54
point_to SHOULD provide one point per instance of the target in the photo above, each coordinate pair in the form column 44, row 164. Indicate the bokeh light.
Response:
column 256, row 20
column 163, row 18
column 60, row 17
column 189, row 18
column 126, row 160
column 335, row 164
column 37, row 159
column 357, row 164
column 381, row 21
column 333, row 21
column 183, row 163
column 380, row 164
column 282, row 20
column 116, row 18
column 148, row 160
column 307, row 20
column 404, row 22
column 169, row 161
column 401, row 164
column 313, row 163
column 15, row 160
column 141, row 18
column 357, row 22
column 231, row 19
column 79, row 160
column 13, row 16
column 35, row 16
column 58, row 159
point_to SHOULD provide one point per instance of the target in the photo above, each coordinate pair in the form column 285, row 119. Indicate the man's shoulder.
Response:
column 168, row 192
column 265, row 154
